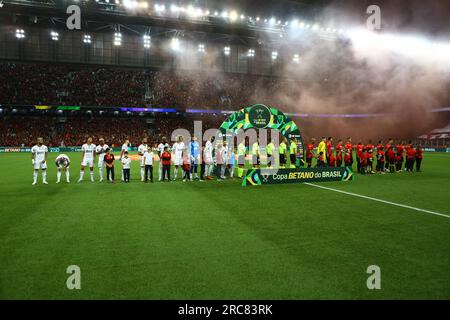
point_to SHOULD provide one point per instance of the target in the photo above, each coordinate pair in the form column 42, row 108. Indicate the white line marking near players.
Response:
column 379, row 200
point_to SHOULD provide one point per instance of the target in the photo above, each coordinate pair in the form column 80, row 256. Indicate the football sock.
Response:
column 240, row 172
column 142, row 173
column 81, row 175
column 44, row 176
column 35, row 176
column 100, row 171
column 92, row 176
column 67, row 175
column 58, row 176
column 175, row 173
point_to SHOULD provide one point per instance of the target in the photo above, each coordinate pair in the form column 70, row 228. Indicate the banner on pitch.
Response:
column 257, row 177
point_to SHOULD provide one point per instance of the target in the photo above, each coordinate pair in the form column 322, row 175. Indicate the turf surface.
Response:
column 218, row 240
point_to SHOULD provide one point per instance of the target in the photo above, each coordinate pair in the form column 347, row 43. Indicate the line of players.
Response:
column 186, row 160
column 390, row 157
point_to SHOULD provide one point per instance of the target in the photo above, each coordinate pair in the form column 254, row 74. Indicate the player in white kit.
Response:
column 124, row 149
column 88, row 156
column 161, row 147
column 100, row 151
column 62, row 163
column 39, row 160
column 208, row 157
column 177, row 149
column 143, row 148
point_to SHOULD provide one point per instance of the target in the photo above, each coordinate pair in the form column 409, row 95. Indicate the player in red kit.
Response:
column 362, row 160
column 332, row 160
column 419, row 157
column 390, row 154
column 329, row 149
column 339, row 157
column 310, row 152
column 387, row 148
column 349, row 153
column 359, row 155
column 380, row 145
column 410, row 159
column 370, row 148
column 401, row 154
column 380, row 159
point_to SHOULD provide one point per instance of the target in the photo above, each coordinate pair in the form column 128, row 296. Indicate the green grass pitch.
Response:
column 218, row 240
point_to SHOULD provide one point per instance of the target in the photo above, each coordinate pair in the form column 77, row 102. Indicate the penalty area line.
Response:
column 379, row 200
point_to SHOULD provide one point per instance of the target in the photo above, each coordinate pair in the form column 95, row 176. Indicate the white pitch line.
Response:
column 379, row 200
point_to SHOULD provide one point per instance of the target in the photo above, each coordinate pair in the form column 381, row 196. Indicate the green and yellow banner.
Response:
column 257, row 177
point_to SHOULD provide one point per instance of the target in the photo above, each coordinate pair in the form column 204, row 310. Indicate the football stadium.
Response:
column 224, row 150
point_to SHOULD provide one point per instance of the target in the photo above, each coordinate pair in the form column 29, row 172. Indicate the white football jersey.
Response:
column 142, row 148
column 178, row 148
column 126, row 163
column 125, row 147
column 39, row 152
column 101, row 150
column 208, row 149
column 148, row 158
column 89, row 150
column 63, row 158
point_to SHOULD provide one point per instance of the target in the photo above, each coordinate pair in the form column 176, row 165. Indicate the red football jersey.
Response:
column 309, row 150
column 348, row 147
column 400, row 149
column 411, row 154
column 370, row 147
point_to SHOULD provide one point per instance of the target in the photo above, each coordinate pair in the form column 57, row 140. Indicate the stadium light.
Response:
column 174, row 8
column 216, row 13
column 274, row 55
column 117, row 39
column 201, row 48
column 271, row 21
column 315, row 27
column 302, row 25
column 257, row 19
column 54, row 35
column 147, row 41
column 130, row 4
column 20, row 33
column 87, row 39
column 296, row 58
column 294, row 23
column 175, row 44
column 224, row 14
column 160, row 8
column 233, row 16
column 251, row 53
column 226, row 51
column 243, row 17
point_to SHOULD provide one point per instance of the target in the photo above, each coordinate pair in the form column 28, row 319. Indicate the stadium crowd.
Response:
column 51, row 84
